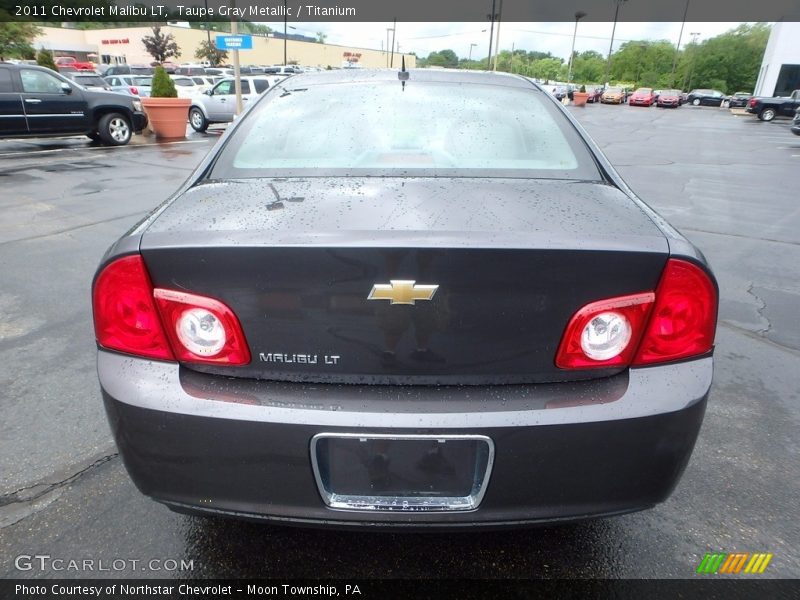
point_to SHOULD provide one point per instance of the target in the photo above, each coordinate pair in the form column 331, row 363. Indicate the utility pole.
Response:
column 208, row 28
column 471, row 46
column 611, row 46
column 497, row 42
column 491, row 37
column 237, row 72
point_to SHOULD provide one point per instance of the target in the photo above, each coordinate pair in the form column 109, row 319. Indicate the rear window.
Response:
column 379, row 128
column 261, row 85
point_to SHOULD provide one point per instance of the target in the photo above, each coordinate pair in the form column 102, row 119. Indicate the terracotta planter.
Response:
column 167, row 116
column 580, row 98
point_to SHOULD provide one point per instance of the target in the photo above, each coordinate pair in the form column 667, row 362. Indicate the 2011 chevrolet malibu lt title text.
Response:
column 415, row 298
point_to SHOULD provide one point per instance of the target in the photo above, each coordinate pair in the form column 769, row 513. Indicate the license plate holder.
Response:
column 394, row 472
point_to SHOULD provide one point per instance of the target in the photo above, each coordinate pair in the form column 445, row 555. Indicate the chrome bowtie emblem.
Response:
column 399, row 291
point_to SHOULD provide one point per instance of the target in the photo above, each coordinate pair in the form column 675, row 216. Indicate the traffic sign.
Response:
column 234, row 42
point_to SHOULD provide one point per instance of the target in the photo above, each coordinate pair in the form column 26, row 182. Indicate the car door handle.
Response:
column 223, row 99
column 33, row 100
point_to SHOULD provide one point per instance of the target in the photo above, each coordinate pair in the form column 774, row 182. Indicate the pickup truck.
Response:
column 71, row 61
column 37, row 102
column 769, row 108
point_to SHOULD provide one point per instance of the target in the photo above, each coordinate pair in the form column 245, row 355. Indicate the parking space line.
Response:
column 35, row 152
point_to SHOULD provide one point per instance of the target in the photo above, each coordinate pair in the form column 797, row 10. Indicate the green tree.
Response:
column 162, row 86
column 161, row 46
column 733, row 58
column 209, row 51
column 16, row 38
column 321, row 37
column 642, row 62
column 546, row 68
column 45, row 59
column 442, row 58
column 588, row 67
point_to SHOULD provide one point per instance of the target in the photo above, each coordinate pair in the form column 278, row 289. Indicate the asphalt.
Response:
column 728, row 182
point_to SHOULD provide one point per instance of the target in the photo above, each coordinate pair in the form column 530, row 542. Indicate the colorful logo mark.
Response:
column 736, row 562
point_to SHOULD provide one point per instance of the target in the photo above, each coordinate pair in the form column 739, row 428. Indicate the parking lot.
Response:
column 729, row 183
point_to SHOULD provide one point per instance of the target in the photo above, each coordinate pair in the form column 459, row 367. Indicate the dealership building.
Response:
column 780, row 69
column 124, row 45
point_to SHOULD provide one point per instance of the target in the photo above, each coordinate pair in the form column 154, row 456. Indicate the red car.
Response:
column 671, row 98
column 71, row 61
column 642, row 97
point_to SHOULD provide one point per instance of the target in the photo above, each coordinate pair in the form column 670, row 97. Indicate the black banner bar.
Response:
column 132, row 11
column 715, row 588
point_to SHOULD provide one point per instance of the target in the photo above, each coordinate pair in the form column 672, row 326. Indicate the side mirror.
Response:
column 66, row 88
column 209, row 92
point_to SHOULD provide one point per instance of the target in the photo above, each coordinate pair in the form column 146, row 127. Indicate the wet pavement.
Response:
column 729, row 183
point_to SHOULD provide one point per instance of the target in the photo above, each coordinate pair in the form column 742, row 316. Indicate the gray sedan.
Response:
column 405, row 299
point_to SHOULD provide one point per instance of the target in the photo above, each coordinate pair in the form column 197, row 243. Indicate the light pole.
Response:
column 471, row 46
column 284, row 32
column 578, row 16
column 391, row 56
column 611, row 46
column 388, row 29
column 688, row 82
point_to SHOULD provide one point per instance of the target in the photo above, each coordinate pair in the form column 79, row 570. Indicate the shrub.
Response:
column 583, row 89
column 45, row 59
column 163, row 86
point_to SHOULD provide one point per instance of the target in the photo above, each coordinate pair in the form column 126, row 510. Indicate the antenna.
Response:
column 402, row 74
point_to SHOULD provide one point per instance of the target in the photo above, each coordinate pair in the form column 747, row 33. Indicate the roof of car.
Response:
column 426, row 75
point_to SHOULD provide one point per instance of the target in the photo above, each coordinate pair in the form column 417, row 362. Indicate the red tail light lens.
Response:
column 125, row 315
column 201, row 329
column 752, row 102
column 131, row 317
column 605, row 333
column 134, row 90
column 677, row 321
column 684, row 318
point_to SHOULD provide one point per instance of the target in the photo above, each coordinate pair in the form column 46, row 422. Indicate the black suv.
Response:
column 38, row 102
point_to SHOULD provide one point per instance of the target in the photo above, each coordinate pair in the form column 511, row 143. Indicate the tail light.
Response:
column 684, row 319
column 752, row 102
column 125, row 314
column 134, row 90
column 677, row 321
column 605, row 333
column 131, row 317
column 201, row 329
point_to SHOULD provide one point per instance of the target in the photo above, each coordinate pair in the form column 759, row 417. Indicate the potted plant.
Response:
column 580, row 97
column 166, row 112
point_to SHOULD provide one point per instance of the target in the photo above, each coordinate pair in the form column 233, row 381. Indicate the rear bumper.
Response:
column 562, row 451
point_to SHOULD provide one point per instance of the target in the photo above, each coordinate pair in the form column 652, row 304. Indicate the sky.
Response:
column 556, row 38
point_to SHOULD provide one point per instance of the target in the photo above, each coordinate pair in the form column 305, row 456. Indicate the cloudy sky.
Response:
column 556, row 38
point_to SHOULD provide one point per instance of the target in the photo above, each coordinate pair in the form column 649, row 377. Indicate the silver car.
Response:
column 135, row 85
column 218, row 105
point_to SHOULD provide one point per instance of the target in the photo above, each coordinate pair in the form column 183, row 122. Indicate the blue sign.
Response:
column 234, row 42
